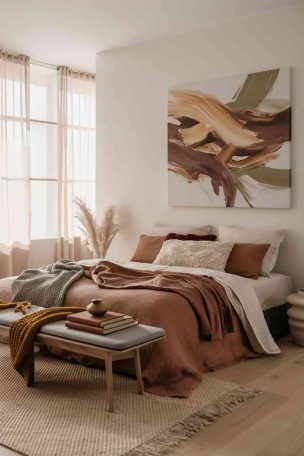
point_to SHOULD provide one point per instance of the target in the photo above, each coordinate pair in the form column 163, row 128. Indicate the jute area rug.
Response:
column 64, row 414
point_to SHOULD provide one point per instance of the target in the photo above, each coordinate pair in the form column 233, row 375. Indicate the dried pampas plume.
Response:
column 99, row 235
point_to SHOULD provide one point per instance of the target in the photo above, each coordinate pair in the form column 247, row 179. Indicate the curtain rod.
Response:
column 43, row 64
column 55, row 67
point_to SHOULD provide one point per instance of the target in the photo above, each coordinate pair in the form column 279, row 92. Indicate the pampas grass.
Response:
column 99, row 235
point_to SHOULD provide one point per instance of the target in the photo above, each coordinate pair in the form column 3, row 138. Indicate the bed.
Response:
column 175, row 366
column 271, row 293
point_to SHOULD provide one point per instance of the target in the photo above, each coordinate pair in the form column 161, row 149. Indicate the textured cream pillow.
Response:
column 195, row 254
column 241, row 235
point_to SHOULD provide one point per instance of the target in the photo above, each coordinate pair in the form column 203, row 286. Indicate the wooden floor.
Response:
column 269, row 425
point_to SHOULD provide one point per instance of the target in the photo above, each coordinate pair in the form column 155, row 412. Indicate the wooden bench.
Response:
column 124, row 344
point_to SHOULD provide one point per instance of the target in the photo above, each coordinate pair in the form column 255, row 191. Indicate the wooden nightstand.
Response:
column 296, row 318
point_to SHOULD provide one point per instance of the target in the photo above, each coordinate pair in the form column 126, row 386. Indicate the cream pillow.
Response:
column 195, row 254
column 272, row 237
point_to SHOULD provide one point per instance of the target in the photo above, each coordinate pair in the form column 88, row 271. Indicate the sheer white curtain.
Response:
column 76, row 155
column 14, row 163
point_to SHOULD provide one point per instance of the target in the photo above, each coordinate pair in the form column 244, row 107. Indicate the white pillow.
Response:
column 241, row 235
column 195, row 254
column 163, row 230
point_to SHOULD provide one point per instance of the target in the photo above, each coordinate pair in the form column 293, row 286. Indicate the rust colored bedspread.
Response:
column 173, row 366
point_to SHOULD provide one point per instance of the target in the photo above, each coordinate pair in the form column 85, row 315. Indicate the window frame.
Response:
column 56, row 180
column 31, row 121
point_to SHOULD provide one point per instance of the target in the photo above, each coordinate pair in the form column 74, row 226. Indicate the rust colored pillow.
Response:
column 148, row 248
column 191, row 237
column 246, row 260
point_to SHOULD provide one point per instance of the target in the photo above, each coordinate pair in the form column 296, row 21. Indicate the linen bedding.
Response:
column 174, row 366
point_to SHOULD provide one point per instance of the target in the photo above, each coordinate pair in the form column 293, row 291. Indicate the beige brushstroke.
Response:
column 214, row 115
column 195, row 134
column 210, row 148
column 226, row 153
column 258, row 158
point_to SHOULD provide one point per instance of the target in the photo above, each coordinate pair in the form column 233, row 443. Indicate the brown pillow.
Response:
column 246, row 260
column 148, row 248
column 191, row 237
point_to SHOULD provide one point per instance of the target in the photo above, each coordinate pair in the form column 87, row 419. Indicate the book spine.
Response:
column 118, row 323
column 99, row 323
column 85, row 328
column 86, row 322
column 119, row 328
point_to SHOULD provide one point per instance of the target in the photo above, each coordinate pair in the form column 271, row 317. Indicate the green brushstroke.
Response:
column 255, row 88
column 270, row 176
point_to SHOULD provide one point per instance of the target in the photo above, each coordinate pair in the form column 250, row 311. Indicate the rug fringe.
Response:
column 185, row 429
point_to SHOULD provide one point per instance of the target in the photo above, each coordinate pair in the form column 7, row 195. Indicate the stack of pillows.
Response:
column 247, row 253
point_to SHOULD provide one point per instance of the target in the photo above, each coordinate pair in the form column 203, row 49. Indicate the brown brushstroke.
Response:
column 197, row 164
column 272, row 128
column 173, row 132
column 269, row 127
column 186, row 122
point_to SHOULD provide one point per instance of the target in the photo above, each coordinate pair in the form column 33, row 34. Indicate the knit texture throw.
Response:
column 47, row 286
column 22, row 334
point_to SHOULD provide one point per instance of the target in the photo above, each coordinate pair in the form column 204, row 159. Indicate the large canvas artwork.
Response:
column 229, row 142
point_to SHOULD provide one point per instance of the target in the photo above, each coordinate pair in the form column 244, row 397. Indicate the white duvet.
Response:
column 242, row 297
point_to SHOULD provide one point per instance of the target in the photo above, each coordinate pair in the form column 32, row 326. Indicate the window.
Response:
column 44, row 153
column 14, row 150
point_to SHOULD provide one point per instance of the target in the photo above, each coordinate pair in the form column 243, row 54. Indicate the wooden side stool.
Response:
column 296, row 317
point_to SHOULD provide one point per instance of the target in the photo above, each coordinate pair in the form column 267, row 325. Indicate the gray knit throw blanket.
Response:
column 47, row 286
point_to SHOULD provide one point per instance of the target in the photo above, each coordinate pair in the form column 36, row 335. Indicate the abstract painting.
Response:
column 229, row 142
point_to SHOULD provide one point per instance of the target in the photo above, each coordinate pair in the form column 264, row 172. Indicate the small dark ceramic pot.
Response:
column 97, row 307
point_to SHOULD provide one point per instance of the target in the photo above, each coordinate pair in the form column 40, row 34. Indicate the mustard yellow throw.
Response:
column 23, row 331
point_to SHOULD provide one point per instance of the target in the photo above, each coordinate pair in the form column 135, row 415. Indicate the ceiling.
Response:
column 72, row 32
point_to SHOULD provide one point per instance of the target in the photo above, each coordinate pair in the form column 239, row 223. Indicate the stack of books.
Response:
column 104, row 324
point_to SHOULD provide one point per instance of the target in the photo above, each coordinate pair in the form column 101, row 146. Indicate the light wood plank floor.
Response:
column 269, row 425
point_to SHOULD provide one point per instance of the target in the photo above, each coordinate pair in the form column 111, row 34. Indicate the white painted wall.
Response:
column 131, row 124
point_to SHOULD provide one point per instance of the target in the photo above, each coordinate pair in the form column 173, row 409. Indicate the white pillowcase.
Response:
column 163, row 230
column 195, row 254
column 241, row 235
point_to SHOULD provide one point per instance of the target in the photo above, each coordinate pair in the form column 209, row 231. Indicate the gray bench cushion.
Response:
column 7, row 316
column 120, row 340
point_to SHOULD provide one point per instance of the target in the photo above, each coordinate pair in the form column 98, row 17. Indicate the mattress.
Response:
column 272, row 291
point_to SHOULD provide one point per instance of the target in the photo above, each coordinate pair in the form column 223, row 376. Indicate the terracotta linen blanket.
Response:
column 173, row 366
column 207, row 297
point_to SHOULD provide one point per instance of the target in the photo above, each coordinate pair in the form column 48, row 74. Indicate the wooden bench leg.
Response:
column 109, row 381
column 140, row 385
